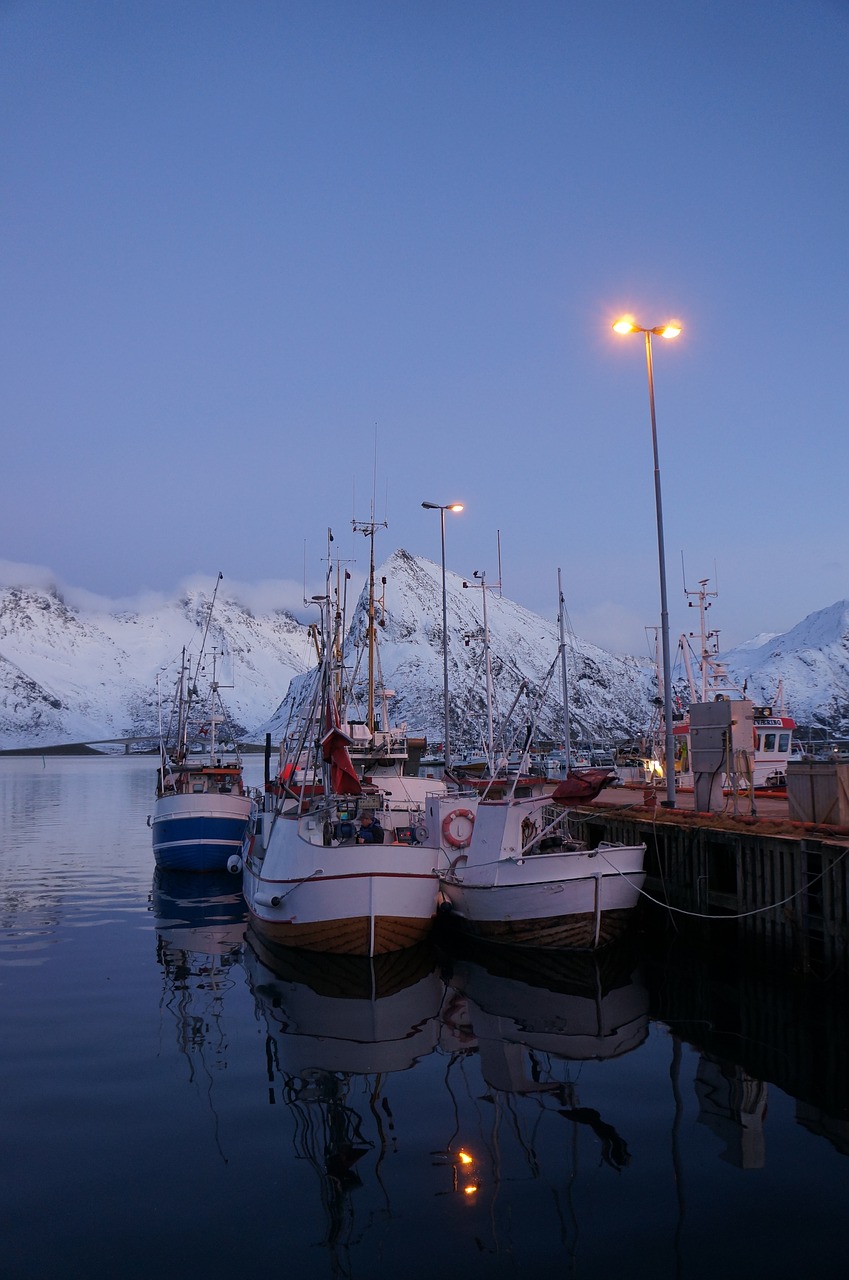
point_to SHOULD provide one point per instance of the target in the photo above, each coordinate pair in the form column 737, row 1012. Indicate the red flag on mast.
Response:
column 334, row 745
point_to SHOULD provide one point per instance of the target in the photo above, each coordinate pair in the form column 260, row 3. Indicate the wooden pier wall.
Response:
column 779, row 893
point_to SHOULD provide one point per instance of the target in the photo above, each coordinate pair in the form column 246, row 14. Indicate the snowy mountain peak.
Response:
column 75, row 673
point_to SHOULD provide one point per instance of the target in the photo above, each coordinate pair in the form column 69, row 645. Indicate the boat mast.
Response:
column 481, row 584
column 182, row 711
column 192, row 691
column 488, row 652
column 213, row 704
column 714, row 674
column 327, row 660
column 566, row 735
column 368, row 527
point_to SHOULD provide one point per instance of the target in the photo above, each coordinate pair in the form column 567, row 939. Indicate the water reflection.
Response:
column 339, row 1028
column 487, row 1114
column 533, row 1020
column 200, row 924
column 750, row 1025
column 577, row 1006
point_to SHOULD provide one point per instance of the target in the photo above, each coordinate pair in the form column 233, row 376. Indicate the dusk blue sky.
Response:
column 247, row 247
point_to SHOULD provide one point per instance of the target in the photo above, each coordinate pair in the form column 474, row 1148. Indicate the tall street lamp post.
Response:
column 449, row 506
column 671, row 330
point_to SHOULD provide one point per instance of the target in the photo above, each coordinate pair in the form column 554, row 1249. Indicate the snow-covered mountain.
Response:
column 74, row 673
column 609, row 695
column 810, row 662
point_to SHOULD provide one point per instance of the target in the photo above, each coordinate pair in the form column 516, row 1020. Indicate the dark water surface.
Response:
column 177, row 1102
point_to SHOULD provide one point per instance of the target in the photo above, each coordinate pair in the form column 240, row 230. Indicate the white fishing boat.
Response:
column 314, row 879
column 203, row 814
column 524, row 880
column 515, row 873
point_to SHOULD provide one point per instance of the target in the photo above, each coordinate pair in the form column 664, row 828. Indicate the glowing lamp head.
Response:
column 670, row 330
column 456, row 506
column 625, row 325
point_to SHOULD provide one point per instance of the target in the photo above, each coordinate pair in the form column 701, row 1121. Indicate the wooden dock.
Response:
column 781, row 887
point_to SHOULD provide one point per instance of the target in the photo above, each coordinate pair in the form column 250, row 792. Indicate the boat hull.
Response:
column 341, row 899
column 200, row 832
column 580, row 900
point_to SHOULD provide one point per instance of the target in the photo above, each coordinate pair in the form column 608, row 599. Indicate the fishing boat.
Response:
column 772, row 729
column 313, row 878
column 516, row 874
column 203, row 815
column 524, row 880
column 762, row 764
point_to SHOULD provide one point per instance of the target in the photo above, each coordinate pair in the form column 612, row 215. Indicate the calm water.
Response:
column 177, row 1103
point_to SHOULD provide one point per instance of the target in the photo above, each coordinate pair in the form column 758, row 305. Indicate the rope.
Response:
column 743, row 915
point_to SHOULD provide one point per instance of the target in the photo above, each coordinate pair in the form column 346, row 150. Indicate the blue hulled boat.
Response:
column 203, row 815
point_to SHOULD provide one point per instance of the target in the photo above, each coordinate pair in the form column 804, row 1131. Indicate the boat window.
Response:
column 784, row 742
column 769, row 742
column 197, row 786
column 758, row 742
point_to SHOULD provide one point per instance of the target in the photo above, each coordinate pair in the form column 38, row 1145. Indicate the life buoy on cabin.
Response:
column 457, row 842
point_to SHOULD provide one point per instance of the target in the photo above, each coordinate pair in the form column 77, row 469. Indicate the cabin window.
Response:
column 769, row 742
column 759, row 742
column 196, row 787
column 784, row 742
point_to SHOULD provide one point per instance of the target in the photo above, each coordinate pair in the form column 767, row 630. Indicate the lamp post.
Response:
column 671, row 330
column 449, row 506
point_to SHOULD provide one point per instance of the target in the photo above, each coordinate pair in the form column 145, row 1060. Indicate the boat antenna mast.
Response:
column 715, row 679
column 481, row 585
column 368, row 528
column 563, row 678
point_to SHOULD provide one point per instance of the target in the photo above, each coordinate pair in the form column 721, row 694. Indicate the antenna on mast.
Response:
column 500, row 579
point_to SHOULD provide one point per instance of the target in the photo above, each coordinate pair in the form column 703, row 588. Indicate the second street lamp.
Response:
column 670, row 330
column 449, row 506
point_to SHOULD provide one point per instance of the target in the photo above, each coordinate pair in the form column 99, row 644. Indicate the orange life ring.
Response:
column 447, row 834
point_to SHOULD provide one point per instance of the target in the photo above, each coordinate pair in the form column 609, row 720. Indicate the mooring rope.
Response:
column 700, row 915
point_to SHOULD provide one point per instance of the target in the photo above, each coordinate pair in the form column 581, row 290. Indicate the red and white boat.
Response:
column 762, row 765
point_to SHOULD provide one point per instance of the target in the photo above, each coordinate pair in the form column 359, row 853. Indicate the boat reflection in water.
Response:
column 577, row 1005
column 338, row 1027
column 534, row 1021
column 200, row 925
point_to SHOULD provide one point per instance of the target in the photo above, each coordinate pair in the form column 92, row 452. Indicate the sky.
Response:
column 269, row 267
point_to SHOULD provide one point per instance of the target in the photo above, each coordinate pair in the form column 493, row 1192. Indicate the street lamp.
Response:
column 670, row 330
column 450, row 506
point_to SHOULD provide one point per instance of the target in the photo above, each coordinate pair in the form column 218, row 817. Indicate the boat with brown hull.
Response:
column 521, row 877
column 318, row 876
